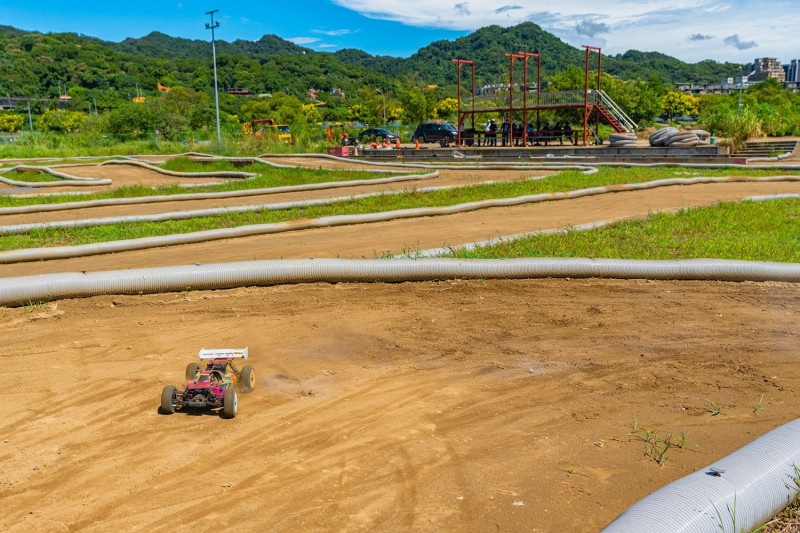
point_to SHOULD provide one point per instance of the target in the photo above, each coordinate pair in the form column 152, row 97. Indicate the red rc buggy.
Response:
column 213, row 387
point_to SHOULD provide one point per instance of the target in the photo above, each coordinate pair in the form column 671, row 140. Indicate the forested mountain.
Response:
column 35, row 64
column 159, row 45
column 486, row 47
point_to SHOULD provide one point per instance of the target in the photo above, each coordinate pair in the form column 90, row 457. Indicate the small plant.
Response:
column 758, row 408
column 657, row 445
column 33, row 306
column 571, row 471
column 715, row 408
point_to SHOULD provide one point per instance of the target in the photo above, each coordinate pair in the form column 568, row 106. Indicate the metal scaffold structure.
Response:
column 592, row 101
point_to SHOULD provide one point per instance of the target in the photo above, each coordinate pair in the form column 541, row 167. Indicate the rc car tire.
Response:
column 230, row 403
column 191, row 371
column 248, row 379
column 169, row 399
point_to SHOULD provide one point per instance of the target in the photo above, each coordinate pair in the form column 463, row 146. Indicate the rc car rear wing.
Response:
column 224, row 353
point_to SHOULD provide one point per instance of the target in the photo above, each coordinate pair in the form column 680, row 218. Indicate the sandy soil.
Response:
column 448, row 406
column 412, row 407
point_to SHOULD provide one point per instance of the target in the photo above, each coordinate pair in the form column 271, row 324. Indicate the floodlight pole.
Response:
column 211, row 27
column 384, row 106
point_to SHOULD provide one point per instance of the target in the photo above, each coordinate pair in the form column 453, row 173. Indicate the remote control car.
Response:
column 213, row 387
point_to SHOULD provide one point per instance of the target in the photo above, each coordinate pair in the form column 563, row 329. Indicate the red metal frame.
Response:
column 587, row 107
column 525, row 94
column 458, row 113
column 511, row 57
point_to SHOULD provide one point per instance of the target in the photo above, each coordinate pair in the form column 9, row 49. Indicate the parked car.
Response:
column 433, row 132
column 377, row 133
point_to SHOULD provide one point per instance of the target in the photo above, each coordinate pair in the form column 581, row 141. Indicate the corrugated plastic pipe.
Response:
column 26, row 289
column 737, row 493
column 586, row 168
column 212, row 174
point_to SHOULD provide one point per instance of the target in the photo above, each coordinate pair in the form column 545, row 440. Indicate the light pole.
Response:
column 384, row 106
column 741, row 82
column 214, row 52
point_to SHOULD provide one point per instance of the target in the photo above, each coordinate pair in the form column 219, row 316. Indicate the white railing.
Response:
column 617, row 112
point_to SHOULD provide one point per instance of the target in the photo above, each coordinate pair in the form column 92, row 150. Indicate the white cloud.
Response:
column 334, row 33
column 303, row 40
column 620, row 25
column 326, row 45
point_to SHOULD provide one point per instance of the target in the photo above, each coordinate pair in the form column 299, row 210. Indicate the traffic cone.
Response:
column 398, row 142
column 416, row 145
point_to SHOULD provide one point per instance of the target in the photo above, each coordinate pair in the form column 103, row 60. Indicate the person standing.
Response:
column 568, row 133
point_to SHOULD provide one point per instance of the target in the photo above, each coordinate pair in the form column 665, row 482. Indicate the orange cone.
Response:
column 416, row 146
column 398, row 142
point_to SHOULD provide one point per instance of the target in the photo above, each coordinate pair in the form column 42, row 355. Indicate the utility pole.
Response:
column 384, row 106
column 211, row 27
column 30, row 120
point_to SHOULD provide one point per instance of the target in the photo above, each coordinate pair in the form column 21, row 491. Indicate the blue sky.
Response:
column 692, row 30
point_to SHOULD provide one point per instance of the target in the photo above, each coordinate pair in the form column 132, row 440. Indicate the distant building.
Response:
column 312, row 94
column 793, row 71
column 766, row 67
column 338, row 92
column 726, row 87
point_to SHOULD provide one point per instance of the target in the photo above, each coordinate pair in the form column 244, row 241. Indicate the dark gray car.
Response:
column 432, row 132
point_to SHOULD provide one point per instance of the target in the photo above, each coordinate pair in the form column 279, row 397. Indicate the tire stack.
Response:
column 663, row 135
column 617, row 140
column 703, row 135
column 670, row 136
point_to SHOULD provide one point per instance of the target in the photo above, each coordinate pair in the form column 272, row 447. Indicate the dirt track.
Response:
column 465, row 406
column 424, row 407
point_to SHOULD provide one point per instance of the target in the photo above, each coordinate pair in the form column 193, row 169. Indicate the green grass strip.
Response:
column 30, row 176
column 752, row 231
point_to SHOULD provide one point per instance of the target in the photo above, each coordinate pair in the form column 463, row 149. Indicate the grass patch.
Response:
column 752, row 231
column 29, row 176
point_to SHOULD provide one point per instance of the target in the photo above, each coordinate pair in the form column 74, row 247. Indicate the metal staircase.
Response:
column 613, row 114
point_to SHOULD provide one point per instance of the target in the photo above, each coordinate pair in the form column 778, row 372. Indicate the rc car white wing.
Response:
column 223, row 353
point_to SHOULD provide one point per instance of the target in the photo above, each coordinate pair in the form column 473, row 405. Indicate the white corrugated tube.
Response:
column 26, row 289
column 737, row 493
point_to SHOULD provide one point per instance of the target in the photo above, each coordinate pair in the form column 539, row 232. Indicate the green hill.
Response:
column 35, row 64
